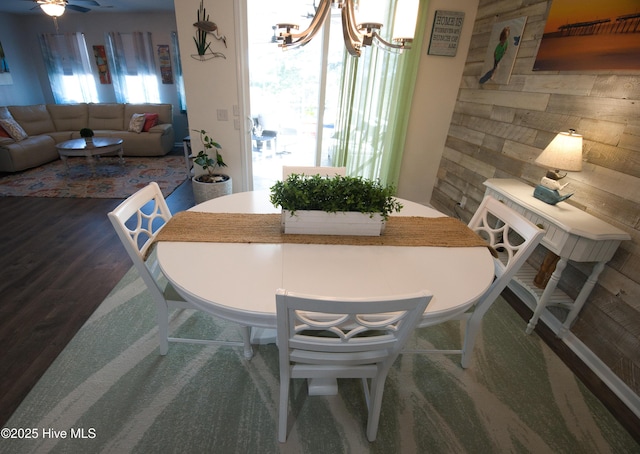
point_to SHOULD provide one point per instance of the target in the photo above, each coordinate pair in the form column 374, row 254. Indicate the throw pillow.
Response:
column 13, row 129
column 151, row 119
column 4, row 133
column 136, row 123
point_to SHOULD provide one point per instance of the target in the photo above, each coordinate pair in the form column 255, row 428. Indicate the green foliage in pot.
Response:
column 209, row 159
column 86, row 132
column 333, row 194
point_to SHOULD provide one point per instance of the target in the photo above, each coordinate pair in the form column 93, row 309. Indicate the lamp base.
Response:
column 550, row 196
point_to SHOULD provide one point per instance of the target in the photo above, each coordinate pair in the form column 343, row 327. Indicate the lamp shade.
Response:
column 404, row 23
column 53, row 9
column 563, row 153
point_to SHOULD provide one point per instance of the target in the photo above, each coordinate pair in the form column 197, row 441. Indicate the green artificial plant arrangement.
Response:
column 334, row 194
column 205, row 160
column 86, row 132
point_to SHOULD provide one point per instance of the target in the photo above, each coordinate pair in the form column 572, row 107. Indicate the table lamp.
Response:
column 563, row 153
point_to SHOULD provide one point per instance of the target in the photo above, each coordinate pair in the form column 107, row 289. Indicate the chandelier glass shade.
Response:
column 356, row 34
column 53, row 8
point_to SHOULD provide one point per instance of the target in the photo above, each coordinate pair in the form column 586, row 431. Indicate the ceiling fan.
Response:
column 56, row 8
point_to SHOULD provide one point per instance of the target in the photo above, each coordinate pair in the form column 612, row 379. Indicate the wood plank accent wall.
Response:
column 497, row 131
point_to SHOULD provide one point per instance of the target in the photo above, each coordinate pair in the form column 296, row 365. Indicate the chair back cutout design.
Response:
column 514, row 238
column 320, row 337
column 509, row 233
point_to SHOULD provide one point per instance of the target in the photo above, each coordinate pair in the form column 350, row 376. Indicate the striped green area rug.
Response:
column 111, row 392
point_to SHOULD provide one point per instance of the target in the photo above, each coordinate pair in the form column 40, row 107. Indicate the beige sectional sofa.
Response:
column 45, row 125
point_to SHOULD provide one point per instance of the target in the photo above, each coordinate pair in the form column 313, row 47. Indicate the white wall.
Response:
column 433, row 102
column 212, row 85
column 22, row 58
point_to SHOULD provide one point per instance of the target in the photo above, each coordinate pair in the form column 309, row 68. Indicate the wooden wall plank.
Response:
column 580, row 85
column 498, row 131
column 501, row 129
column 533, row 101
column 609, row 109
column 617, row 86
column 630, row 138
column 474, row 110
column 614, row 158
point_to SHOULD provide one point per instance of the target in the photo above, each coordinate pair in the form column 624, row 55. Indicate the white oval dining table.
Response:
column 238, row 281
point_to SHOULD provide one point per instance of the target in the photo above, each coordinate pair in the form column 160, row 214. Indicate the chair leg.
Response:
column 163, row 327
column 246, row 339
column 376, row 390
column 283, row 409
column 470, row 334
column 367, row 394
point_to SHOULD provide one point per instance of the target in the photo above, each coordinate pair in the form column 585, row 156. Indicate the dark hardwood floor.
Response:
column 59, row 259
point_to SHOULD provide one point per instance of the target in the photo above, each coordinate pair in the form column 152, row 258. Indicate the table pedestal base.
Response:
column 263, row 336
column 322, row 386
column 317, row 386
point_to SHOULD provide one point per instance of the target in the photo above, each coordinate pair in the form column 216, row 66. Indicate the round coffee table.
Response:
column 79, row 147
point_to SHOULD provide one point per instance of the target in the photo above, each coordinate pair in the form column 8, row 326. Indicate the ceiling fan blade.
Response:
column 90, row 2
column 80, row 9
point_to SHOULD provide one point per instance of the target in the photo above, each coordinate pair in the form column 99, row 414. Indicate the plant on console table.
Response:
column 336, row 205
column 87, row 135
column 211, row 184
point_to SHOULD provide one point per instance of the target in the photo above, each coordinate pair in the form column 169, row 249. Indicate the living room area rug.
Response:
column 111, row 180
column 110, row 391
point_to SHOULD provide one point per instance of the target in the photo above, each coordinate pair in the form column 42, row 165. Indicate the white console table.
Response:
column 572, row 234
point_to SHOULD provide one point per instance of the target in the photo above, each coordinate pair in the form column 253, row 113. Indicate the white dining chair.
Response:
column 321, row 337
column 137, row 221
column 514, row 238
column 310, row 171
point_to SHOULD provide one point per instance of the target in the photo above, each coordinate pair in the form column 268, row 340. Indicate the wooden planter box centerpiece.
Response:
column 336, row 205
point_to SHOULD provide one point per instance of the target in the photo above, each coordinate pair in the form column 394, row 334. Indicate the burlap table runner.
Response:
column 194, row 226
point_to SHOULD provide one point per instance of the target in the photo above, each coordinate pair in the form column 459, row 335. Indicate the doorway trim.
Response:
column 242, row 119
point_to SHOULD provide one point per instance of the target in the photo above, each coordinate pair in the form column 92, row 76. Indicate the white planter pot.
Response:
column 341, row 223
column 207, row 191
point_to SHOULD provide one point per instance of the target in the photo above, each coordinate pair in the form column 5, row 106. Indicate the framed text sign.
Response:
column 445, row 33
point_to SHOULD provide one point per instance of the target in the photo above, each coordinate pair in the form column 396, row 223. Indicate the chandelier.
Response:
column 53, row 8
column 356, row 34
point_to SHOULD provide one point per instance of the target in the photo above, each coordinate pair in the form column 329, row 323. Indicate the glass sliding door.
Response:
column 294, row 94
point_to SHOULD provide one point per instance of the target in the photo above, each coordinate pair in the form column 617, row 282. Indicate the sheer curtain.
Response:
column 177, row 71
column 377, row 89
column 68, row 67
column 134, row 72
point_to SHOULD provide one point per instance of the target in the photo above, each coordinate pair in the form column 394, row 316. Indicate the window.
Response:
column 68, row 67
column 134, row 70
column 324, row 107
column 375, row 100
column 293, row 94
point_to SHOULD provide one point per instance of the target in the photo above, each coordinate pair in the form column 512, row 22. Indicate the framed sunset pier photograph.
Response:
column 590, row 36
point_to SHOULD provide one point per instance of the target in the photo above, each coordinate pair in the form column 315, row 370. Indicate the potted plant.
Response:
column 210, row 185
column 87, row 135
column 336, row 205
